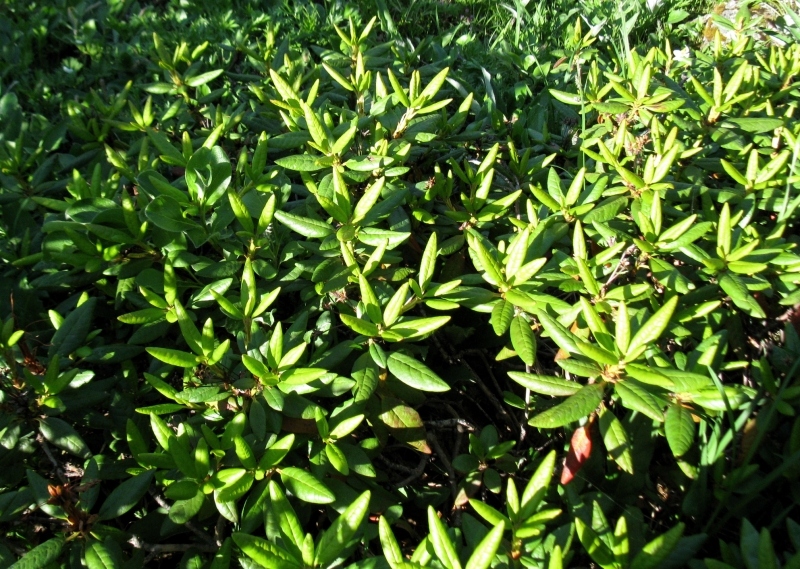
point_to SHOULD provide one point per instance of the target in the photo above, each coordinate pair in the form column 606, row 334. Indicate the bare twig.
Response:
column 56, row 465
column 452, row 423
column 218, row 529
column 619, row 269
column 414, row 473
column 451, row 474
column 170, row 547
column 188, row 525
column 454, row 358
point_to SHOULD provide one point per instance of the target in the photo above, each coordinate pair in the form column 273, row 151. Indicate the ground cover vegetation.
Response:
column 399, row 285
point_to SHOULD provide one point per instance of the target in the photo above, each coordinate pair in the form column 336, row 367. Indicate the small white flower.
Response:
column 681, row 55
column 653, row 4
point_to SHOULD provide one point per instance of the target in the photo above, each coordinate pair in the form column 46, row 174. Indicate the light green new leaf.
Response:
column 188, row 329
column 575, row 407
column 395, row 305
column 415, row 373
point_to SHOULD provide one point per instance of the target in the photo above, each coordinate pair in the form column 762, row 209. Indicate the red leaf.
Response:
column 580, row 449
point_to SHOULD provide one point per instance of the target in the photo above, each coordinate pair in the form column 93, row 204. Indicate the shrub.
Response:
column 332, row 307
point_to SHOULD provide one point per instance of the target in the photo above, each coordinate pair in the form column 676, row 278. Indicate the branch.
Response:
column 170, row 547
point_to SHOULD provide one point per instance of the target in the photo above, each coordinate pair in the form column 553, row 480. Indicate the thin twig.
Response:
column 442, row 423
column 415, row 473
column 56, row 465
column 618, row 270
column 451, row 474
column 457, row 358
column 170, row 547
column 188, row 525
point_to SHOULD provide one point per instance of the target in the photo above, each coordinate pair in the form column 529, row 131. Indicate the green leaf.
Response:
column 98, row 556
column 635, row 396
column 342, row 530
column 304, row 226
column 502, row 314
column 41, row 555
column 428, row 262
column 572, row 409
column 595, row 547
column 415, row 374
column 307, row 488
column 370, row 197
column 166, row 148
column 287, row 518
column 566, row 98
column 232, row 483
column 411, row 327
column 655, row 552
column 172, row 357
column 303, row 163
column 258, row 369
column 754, row 125
column 679, row 429
column 404, row 423
column 523, row 340
column 391, row 549
column 265, row 553
column 545, row 384
column 563, row 338
column 490, row 514
column 125, row 496
column 359, row 326
column 616, row 440
column 485, row 551
column 203, row 78
column 73, row 330
column 596, row 353
column 444, row 548
column 61, row 434
column 165, row 212
column 651, row 330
